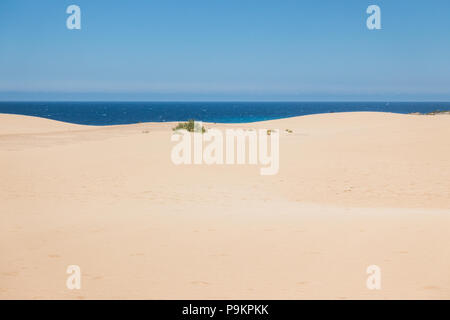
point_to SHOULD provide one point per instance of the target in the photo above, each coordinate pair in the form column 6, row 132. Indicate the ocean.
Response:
column 113, row 113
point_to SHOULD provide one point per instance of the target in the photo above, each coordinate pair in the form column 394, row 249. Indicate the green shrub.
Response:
column 189, row 126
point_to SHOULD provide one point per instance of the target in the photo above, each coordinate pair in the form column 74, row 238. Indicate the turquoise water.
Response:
column 112, row 113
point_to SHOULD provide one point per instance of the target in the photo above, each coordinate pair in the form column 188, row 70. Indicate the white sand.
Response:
column 354, row 189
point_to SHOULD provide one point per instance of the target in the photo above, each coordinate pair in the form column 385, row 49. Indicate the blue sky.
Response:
column 225, row 50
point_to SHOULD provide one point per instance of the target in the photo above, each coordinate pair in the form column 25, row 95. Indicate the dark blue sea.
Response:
column 112, row 113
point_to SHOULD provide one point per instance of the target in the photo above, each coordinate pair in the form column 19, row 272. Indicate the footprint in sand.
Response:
column 431, row 288
column 218, row 255
column 200, row 283
column 10, row 274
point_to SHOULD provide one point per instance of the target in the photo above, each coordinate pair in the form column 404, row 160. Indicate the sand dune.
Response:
column 353, row 190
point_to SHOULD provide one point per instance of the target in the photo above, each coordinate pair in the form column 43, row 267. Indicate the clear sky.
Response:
column 225, row 50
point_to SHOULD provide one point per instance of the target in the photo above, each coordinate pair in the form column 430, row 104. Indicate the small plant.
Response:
column 190, row 126
column 269, row 132
column 288, row 130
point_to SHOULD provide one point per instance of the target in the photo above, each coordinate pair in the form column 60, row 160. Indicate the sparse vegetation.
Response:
column 432, row 112
column 190, row 126
column 438, row 112
column 289, row 131
column 269, row 132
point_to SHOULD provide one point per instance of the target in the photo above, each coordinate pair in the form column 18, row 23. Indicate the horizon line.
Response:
column 233, row 101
